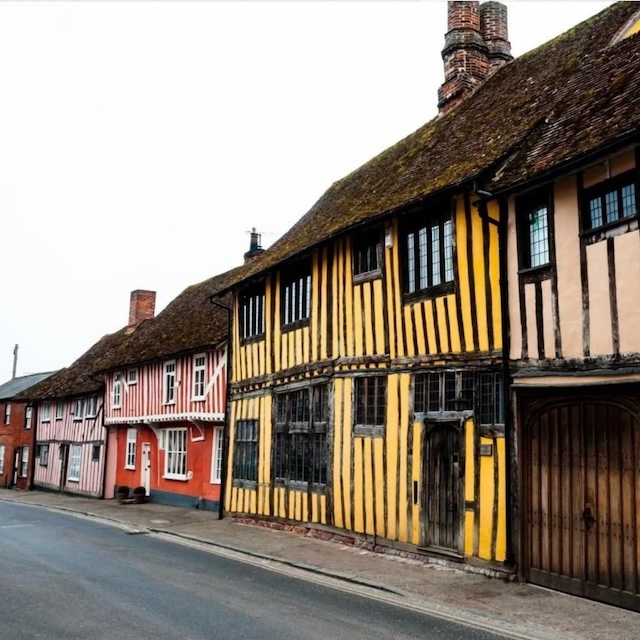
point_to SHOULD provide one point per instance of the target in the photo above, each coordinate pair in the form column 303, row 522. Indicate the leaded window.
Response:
column 611, row 201
column 296, row 295
column 252, row 312
column 370, row 404
column 245, row 456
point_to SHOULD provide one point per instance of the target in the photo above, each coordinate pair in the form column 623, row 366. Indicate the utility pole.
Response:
column 15, row 361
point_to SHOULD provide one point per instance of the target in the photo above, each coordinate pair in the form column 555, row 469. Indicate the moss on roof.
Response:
column 566, row 98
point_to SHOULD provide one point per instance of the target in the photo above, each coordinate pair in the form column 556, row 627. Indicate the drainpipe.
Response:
column 502, row 226
column 227, row 412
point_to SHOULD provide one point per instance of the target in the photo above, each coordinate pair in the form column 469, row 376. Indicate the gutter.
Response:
column 227, row 412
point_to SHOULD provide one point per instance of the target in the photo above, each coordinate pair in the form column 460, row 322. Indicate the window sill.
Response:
column 78, row 419
column 245, row 484
column 535, row 274
column 116, row 406
column 175, row 476
column 47, row 420
column 367, row 276
column 251, row 339
column 60, row 418
column 216, row 482
column 91, row 417
column 611, row 230
column 430, row 292
column 129, row 467
column 169, row 404
column 292, row 326
column 198, row 399
column 368, row 431
column 73, row 479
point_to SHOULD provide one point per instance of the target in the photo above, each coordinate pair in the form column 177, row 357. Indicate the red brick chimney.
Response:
column 495, row 32
column 142, row 306
column 475, row 45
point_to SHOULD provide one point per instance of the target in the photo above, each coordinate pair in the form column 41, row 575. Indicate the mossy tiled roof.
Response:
column 190, row 322
column 572, row 95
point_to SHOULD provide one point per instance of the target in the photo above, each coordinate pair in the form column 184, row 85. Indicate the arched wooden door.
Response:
column 442, row 487
column 581, row 510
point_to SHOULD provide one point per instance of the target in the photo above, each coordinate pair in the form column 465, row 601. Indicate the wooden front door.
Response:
column 581, row 481
column 442, row 488
column 145, row 471
column 64, row 464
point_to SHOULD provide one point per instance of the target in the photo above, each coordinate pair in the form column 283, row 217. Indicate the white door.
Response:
column 145, row 479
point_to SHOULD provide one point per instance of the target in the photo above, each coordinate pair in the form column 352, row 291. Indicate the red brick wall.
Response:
column 14, row 436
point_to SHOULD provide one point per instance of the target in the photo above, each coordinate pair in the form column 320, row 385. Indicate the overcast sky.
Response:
column 140, row 142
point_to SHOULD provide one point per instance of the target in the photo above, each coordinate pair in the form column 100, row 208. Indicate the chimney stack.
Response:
column 141, row 307
column 476, row 44
column 255, row 246
column 495, row 32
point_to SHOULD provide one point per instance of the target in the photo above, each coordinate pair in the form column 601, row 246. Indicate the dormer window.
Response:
column 296, row 295
column 252, row 317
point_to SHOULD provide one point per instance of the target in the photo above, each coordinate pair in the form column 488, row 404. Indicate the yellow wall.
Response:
column 369, row 326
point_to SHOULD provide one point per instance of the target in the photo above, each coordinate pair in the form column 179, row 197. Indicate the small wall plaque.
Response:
column 486, row 450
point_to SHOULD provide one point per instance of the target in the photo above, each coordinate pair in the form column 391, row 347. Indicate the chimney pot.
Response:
column 495, row 32
column 255, row 246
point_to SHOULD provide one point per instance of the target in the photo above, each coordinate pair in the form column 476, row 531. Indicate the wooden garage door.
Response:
column 581, row 498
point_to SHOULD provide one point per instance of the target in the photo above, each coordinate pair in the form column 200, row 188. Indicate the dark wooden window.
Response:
column 370, row 395
column 300, row 438
column 42, row 453
column 95, row 453
column 367, row 254
column 428, row 249
column 296, row 295
column 534, row 229
column 440, row 391
column 252, row 312
column 611, row 201
column 245, row 455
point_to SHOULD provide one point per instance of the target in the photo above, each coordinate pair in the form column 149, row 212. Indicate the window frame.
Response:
column 28, row 417
column 24, row 461
column 174, row 457
column 45, row 412
column 246, row 450
column 78, row 416
column 301, row 418
column 131, row 449
column 95, row 452
column 217, row 448
column 295, row 296
column 7, row 413
column 418, row 258
column 59, row 410
column 364, row 246
column 253, row 313
column 525, row 205
column 199, row 369
column 91, row 407
column 169, row 390
column 132, row 376
column 2, row 454
column 116, row 392
column 75, row 463
column 362, row 407
column 43, row 454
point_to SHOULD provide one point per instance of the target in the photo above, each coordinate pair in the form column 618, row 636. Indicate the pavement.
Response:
column 509, row 608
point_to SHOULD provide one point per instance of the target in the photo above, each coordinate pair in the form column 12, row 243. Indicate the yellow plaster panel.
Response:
column 304, row 515
column 391, row 442
column 367, row 319
column 599, row 309
column 379, row 319
column 501, row 542
column 463, row 273
column 408, row 324
column 418, row 309
column 468, row 533
column 335, row 299
column 469, row 461
column 253, row 502
column 627, row 253
column 487, row 489
column 358, row 486
column 338, row 481
column 431, row 331
column 455, row 344
column 348, row 301
column 277, row 335
column 515, row 328
column 396, row 302
column 367, row 460
column 346, row 448
column 532, row 330
column 378, row 452
column 388, row 292
column 403, row 418
column 445, row 339
column 494, row 275
column 323, row 509
column 479, row 268
column 358, row 329
column 547, row 320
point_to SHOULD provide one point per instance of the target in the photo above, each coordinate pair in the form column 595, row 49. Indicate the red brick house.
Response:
column 17, row 432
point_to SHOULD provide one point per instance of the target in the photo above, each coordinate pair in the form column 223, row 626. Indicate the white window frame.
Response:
column 75, row 459
column 199, row 376
column 24, row 462
column 116, row 393
column 130, row 453
column 91, row 407
column 2, row 450
column 28, row 417
column 175, row 453
column 216, row 455
column 169, row 382
column 78, row 410
column 132, row 376
column 43, row 457
column 59, row 410
column 7, row 413
column 45, row 412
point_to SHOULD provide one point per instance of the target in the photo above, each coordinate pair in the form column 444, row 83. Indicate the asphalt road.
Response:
column 64, row 578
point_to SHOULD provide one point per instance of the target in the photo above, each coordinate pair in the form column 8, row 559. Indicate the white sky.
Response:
column 139, row 142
